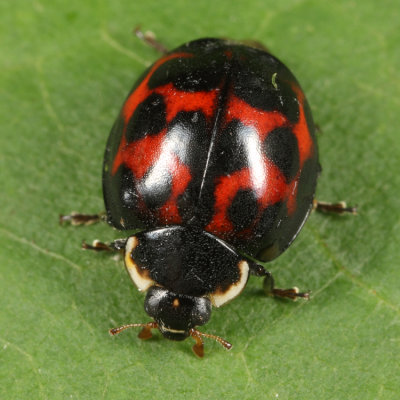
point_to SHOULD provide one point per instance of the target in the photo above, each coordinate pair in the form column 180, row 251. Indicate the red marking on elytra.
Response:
column 263, row 121
column 181, row 177
column 301, row 131
column 179, row 100
column 266, row 121
column 119, row 157
column 142, row 91
column 140, row 155
column 138, row 96
column 148, row 153
column 228, row 186
column 143, row 154
column 306, row 149
column 176, row 101
column 276, row 188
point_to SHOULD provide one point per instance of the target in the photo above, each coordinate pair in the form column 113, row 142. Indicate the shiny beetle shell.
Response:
column 218, row 136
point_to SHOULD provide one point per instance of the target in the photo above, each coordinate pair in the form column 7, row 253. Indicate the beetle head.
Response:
column 176, row 314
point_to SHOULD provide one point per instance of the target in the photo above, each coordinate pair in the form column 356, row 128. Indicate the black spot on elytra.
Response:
column 129, row 196
column 265, row 232
column 243, row 209
column 281, row 148
column 269, row 221
column 149, row 118
column 255, row 93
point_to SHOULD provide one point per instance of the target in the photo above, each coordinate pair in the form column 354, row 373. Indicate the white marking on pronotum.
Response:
column 164, row 328
column 218, row 299
column 142, row 282
column 274, row 84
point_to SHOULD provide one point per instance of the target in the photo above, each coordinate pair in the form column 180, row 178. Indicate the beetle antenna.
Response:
column 198, row 348
column 145, row 333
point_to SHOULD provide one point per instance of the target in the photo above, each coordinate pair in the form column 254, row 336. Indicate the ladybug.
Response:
column 213, row 158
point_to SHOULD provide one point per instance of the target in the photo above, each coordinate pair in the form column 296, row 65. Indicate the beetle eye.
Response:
column 154, row 298
column 201, row 313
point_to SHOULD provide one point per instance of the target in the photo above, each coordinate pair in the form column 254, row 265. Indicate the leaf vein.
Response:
column 40, row 249
column 351, row 276
column 117, row 46
column 30, row 359
column 46, row 98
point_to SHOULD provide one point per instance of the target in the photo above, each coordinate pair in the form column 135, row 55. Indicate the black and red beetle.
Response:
column 214, row 158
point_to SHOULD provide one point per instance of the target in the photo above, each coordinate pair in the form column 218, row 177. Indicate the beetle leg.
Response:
column 257, row 269
column 269, row 284
column 150, row 39
column 291, row 293
column 116, row 245
column 82, row 219
column 337, row 208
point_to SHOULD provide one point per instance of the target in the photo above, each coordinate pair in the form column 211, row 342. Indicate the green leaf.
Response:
column 66, row 68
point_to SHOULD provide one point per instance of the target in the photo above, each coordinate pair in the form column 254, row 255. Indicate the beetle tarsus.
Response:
column 290, row 293
column 116, row 245
column 96, row 246
column 150, row 39
column 77, row 219
column 339, row 208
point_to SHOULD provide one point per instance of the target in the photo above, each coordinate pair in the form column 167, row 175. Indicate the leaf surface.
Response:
column 66, row 69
